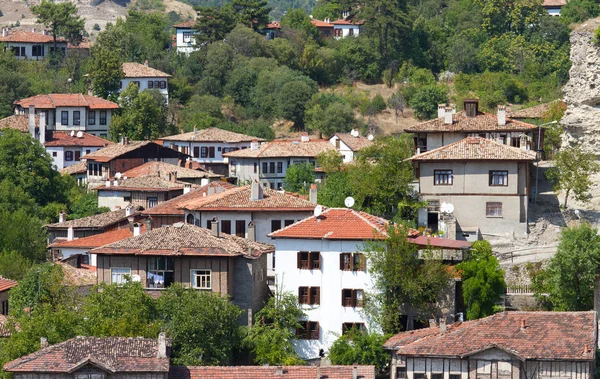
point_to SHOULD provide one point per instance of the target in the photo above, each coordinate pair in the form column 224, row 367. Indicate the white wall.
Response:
column 68, row 251
column 344, row 149
column 187, row 46
column 59, row 159
column 143, row 84
column 113, row 199
column 346, row 30
column 244, row 169
column 29, row 49
column 219, row 146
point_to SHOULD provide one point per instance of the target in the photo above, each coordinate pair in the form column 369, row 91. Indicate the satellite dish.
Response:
column 118, row 175
column 443, row 207
column 72, row 133
column 349, row 202
column 318, row 210
column 79, row 134
column 449, row 208
column 370, row 137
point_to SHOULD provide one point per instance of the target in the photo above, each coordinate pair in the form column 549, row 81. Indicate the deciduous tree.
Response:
column 572, row 173
column 360, row 347
column 299, row 177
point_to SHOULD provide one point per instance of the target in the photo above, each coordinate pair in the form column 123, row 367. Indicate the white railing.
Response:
column 524, row 289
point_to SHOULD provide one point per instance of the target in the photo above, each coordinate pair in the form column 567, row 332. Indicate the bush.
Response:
column 425, row 101
column 579, row 10
column 96, row 27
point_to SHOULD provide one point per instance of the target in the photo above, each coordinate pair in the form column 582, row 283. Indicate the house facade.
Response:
column 208, row 146
column 273, row 372
column 486, row 182
column 185, row 42
column 507, row 345
column 145, row 77
column 31, row 45
column 69, row 148
column 166, row 170
column 553, row 7
column 349, row 144
column 343, row 28
column 5, row 286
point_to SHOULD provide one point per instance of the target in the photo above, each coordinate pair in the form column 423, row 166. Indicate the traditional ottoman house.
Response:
column 163, row 169
column 349, row 144
column 145, row 77
column 5, row 286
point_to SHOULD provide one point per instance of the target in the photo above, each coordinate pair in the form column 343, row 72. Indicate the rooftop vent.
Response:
column 471, row 107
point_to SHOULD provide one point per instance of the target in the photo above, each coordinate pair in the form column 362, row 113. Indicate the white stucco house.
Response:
column 348, row 144
column 145, row 77
column 69, row 148
column 343, row 28
column 553, row 7
column 31, row 45
column 185, row 42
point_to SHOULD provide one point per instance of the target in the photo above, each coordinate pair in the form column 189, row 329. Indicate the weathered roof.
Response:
column 185, row 239
column 163, row 169
column 483, row 122
column 212, row 135
column 54, row 100
column 185, row 25
column 29, row 37
column 111, row 152
column 527, row 335
column 342, row 21
column 96, row 240
column 137, row 70
column 78, row 168
column 273, row 25
column 19, row 122
column 537, row 111
column 114, row 354
column 78, row 276
column 337, row 224
column 4, row 329
column 321, row 24
column 6, row 284
column 281, row 149
column 101, row 220
column 238, row 199
column 437, row 242
column 475, row 148
column 554, row 3
column 272, row 372
column 58, row 138
column 354, row 143
column 172, row 207
column 153, row 183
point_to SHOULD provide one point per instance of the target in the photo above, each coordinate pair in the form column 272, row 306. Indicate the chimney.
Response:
column 432, row 323
column 256, row 191
column 523, row 326
column 471, row 107
column 501, row 115
column 148, row 224
column 448, row 115
column 441, row 110
column 442, row 324
column 355, row 372
column 187, row 188
column 305, row 137
column 44, row 342
column 128, row 211
column 251, row 231
column 162, row 346
column 62, row 217
column 42, row 128
column 586, row 348
column 146, row 63
column 173, row 176
column 137, row 229
column 195, row 129
column 122, row 140
column 108, row 182
column 32, row 121
column 279, row 371
column 4, row 32
column 204, row 182
column 313, row 194
column 254, row 145
column 70, row 234
column 214, row 227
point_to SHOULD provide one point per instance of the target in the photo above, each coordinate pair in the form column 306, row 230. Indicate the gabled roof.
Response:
column 273, row 25
column 185, row 25
column 112, row 354
column 172, row 207
column 354, row 143
column 78, row 276
column 111, row 152
column 78, row 168
column 337, row 224
column 6, row 284
column 186, row 240
column 137, row 70
column 282, row 149
column 537, row 111
column 19, row 122
column 474, row 148
column 152, row 183
column 94, row 241
column 238, row 199
column 483, row 122
column 30, row 37
column 58, row 138
column 98, row 221
column 526, row 335
column 212, row 135
column 163, row 169
column 272, row 372
column 321, row 24
column 53, row 100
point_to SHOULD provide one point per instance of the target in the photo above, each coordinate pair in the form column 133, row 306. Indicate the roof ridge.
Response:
column 298, row 222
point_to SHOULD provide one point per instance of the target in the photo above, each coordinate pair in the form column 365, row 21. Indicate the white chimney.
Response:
column 256, row 191
column 214, row 227
column 254, row 145
column 203, row 182
column 146, row 63
column 162, row 346
column 187, row 188
column 137, row 229
column 448, row 115
column 4, row 32
column 42, row 127
column 108, row 182
column 441, row 110
column 43, row 342
column 305, row 137
column 442, row 324
column 501, row 115
column 32, row 121
column 116, row 183
column 195, row 129
column 313, row 194
column 62, row 217
column 129, row 211
column 70, row 234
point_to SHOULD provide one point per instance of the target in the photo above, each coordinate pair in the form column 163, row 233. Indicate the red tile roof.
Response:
column 66, row 139
column 337, row 224
column 147, row 183
column 172, row 207
column 554, row 3
column 111, row 152
column 483, row 122
column 94, row 241
column 78, row 276
column 442, row 243
column 113, row 354
column 137, row 70
column 272, row 372
column 321, row 24
column 537, row 111
column 238, row 199
column 354, row 143
column 185, row 25
column 19, row 122
column 99, row 221
column 475, row 148
column 342, row 21
column 4, row 329
column 29, row 37
column 77, row 168
column 527, row 335
column 6, row 284
column 273, row 25
column 163, row 169
column 280, row 149
column 213, row 135
column 54, row 100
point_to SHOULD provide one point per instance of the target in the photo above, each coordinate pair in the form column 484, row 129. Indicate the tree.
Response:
column 335, row 190
column 576, row 11
column 572, row 172
column 106, row 71
column 299, row 177
column 292, row 101
column 425, row 101
column 397, row 102
column 42, row 284
column 502, row 16
column 299, row 20
column 84, row 204
column 270, row 338
column 61, row 19
column 483, row 280
column 359, row 347
column 334, row 117
column 553, row 132
column 214, row 23
column 13, row 265
column 251, row 13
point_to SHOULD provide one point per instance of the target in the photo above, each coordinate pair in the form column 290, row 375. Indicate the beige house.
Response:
column 486, row 182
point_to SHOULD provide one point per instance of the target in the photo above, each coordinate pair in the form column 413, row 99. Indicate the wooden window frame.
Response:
column 309, row 295
column 150, row 200
column 203, row 152
column 68, row 156
column 211, row 151
column 493, row 205
column 400, row 372
column 265, row 168
column 498, row 174
column 348, row 326
column 76, row 118
column 348, row 262
column 309, row 260
column 91, row 117
column 279, row 167
column 308, row 330
column 350, row 298
column 275, row 225
column 103, row 117
column 119, row 282
column 64, row 120
column 240, row 228
column 443, row 177
column 226, row 226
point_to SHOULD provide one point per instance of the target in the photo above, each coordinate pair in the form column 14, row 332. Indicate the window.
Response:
column 265, row 168
column 156, row 84
column 152, row 202
column 353, row 298
column 272, row 167
column 201, row 279
column 433, row 205
column 37, row 50
column 493, row 209
column 211, row 152
column 117, row 275
column 240, row 228
column 4, row 310
column 76, row 118
column 498, row 178
column 454, row 376
column 18, row 51
column 437, row 376
column 102, row 117
column 442, row 177
column 309, row 295
column 91, row 117
column 68, row 156
column 137, row 83
column 226, row 226
column 288, row 222
column 160, row 272
column 64, row 117
column 419, row 375
column 255, row 167
column 163, row 84
column 77, row 155
column 337, row 32
column 150, row 84
column 54, row 154
column 350, row 32
column 400, row 372
column 309, row 260
column 348, row 326
column 208, row 224
column 190, row 219
column 279, row 167
column 352, row 262
column 358, row 262
column 187, row 36
column 87, row 151
column 308, row 330
column 203, row 152
column 127, row 199
column 196, row 151
column 275, row 225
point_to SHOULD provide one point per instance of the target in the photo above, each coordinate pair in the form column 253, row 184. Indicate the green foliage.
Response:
column 61, row 19
column 328, row 114
column 299, row 177
column 106, row 71
column 359, row 347
column 572, row 172
column 13, row 265
column 84, row 204
column 270, row 338
column 553, row 132
column 425, row 100
column 483, row 280
column 298, row 19
column 328, row 10
column 96, row 27
column 576, row 11
column 335, row 189
column 397, row 102
column 42, row 284
column 149, row 5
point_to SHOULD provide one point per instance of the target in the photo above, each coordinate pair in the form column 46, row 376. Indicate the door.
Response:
column 432, row 221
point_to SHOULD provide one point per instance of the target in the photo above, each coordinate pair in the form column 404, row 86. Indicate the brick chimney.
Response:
column 441, row 110
column 214, row 227
column 501, row 115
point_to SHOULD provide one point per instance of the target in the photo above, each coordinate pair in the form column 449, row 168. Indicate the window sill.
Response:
column 494, row 216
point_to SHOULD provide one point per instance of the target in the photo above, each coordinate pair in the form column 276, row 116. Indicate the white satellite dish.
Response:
column 79, row 134
column 135, row 278
column 370, row 137
column 354, row 133
column 449, row 208
column 118, row 175
column 349, row 202
column 318, row 210
column 443, row 207
column 72, row 133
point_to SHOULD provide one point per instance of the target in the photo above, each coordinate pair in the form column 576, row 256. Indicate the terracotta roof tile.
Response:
column 342, row 21
column 337, row 224
column 474, row 148
column 537, row 111
column 6, row 284
column 185, row 239
column 77, row 168
column 185, row 25
column 238, row 199
column 163, row 169
column 273, row 25
column 321, row 24
column 99, row 221
column 54, row 100
column 554, row 3
column 354, row 143
column 29, row 37
column 483, row 122
column 137, row 70
column 4, row 328
column 113, row 151
column 153, row 183
column 437, row 242
column 272, row 372
column 55, row 138
column 80, row 277
column 212, row 135
column 277, row 149
column 114, row 354
column 19, row 122
column 545, row 335
column 96, row 240
column 172, row 207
